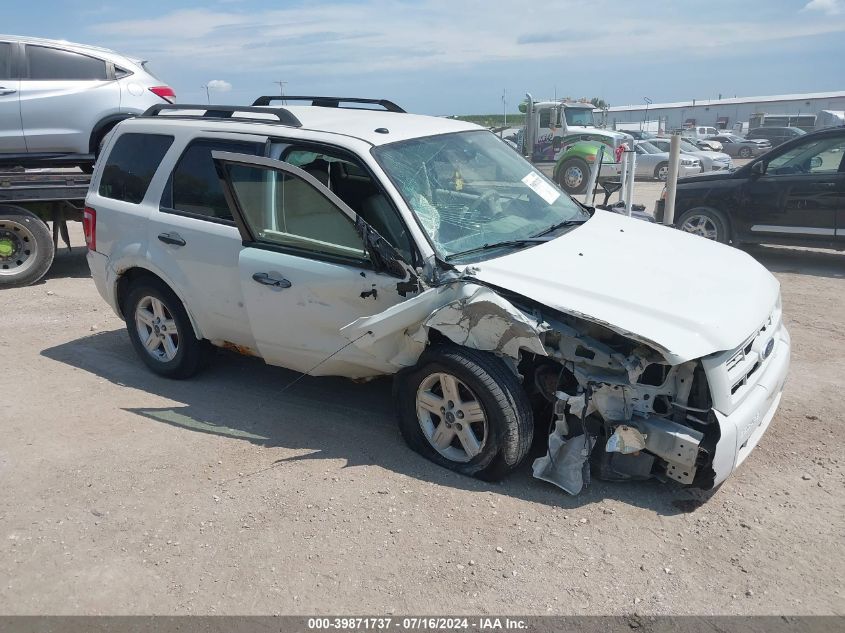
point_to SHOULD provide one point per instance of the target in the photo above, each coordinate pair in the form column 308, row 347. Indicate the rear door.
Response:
column 801, row 194
column 193, row 237
column 63, row 94
column 11, row 135
column 309, row 266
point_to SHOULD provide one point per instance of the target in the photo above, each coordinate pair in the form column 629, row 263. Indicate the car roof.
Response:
column 353, row 122
column 84, row 48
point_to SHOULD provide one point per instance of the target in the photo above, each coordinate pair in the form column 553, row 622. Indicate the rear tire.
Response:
column 26, row 247
column 491, row 409
column 661, row 172
column 573, row 176
column 160, row 330
column 744, row 152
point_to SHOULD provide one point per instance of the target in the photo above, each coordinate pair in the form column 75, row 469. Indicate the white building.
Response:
column 727, row 113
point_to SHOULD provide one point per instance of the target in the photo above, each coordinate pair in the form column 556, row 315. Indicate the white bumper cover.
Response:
column 742, row 429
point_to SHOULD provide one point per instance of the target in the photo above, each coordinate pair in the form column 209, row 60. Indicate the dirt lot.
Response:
column 127, row 493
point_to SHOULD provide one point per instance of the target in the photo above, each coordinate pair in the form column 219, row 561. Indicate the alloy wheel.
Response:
column 451, row 417
column 701, row 225
column 157, row 329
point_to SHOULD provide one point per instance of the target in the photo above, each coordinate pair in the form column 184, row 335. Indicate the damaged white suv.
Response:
column 363, row 241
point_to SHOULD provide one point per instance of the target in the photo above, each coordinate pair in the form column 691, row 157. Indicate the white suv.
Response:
column 363, row 242
column 58, row 100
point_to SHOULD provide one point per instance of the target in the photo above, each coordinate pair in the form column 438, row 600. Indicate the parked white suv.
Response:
column 361, row 242
column 58, row 100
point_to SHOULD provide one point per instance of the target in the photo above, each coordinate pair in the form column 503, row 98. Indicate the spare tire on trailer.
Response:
column 26, row 247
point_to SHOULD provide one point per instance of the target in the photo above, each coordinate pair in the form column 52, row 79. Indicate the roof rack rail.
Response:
column 285, row 117
column 328, row 102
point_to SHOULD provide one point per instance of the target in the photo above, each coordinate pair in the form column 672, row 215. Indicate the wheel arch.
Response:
column 103, row 127
column 132, row 275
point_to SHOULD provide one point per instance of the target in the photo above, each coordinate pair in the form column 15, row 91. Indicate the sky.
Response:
column 462, row 57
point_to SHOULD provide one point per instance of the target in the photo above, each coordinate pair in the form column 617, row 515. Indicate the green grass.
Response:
column 493, row 120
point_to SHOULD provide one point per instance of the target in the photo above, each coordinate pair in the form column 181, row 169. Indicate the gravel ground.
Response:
column 125, row 493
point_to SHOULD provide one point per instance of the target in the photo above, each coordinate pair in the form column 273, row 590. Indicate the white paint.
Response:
column 613, row 270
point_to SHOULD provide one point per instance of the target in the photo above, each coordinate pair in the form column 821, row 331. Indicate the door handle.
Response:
column 267, row 280
column 172, row 238
column 6, row 91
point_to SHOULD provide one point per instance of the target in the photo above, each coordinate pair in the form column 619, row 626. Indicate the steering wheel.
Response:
column 488, row 197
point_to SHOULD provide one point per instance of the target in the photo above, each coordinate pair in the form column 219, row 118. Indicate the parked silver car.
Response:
column 653, row 163
column 710, row 161
column 741, row 147
column 58, row 100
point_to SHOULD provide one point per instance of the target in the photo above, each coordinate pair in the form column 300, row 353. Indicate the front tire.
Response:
column 744, row 152
column 161, row 331
column 573, row 176
column 26, row 247
column 707, row 223
column 465, row 410
column 661, row 172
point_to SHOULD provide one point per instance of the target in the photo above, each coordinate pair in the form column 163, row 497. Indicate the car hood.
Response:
column 756, row 141
column 684, row 295
column 719, row 156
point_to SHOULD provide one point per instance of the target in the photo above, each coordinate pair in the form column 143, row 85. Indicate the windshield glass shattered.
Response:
column 470, row 191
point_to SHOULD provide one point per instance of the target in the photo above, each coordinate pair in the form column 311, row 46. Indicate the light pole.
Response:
column 282, row 85
column 647, row 103
column 207, row 93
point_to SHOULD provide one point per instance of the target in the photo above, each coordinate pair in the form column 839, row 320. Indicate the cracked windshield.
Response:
column 471, row 193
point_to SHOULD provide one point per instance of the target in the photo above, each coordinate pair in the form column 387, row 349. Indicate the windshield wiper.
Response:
column 560, row 225
column 486, row 247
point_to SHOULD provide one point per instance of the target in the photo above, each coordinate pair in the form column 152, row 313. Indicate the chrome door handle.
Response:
column 6, row 91
column 268, row 280
column 172, row 238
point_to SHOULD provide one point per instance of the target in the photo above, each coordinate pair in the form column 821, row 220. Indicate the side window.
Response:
column 5, row 60
column 52, row 63
column 352, row 184
column 282, row 209
column 545, row 118
column 131, row 165
column 194, row 187
column 822, row 156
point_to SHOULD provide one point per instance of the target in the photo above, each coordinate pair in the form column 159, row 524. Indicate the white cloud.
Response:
column 220, row 85
column 829, row 7
column 380, row 36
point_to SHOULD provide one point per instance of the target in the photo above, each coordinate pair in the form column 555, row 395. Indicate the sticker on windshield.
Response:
column 543, row 189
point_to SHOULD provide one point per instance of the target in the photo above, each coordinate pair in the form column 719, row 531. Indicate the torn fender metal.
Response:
column 466, row 313
column 566, row 464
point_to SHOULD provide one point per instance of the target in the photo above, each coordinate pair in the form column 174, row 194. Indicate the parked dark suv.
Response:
column 775, row 135
column 794, row 194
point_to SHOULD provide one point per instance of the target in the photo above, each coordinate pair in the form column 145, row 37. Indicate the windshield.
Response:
column 648, row 148
column 732, row 138
column 686, row 146
column 579, row 116
column 469, row 190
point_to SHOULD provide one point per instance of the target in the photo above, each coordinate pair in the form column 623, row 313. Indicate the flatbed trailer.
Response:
column 35, row 207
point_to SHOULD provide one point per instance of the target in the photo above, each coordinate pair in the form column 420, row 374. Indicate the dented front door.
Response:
column 305, row 271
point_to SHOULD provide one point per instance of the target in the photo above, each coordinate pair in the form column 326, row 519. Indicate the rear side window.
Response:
column 5, row 60
column 194, row 187
column 55, row 64
column 131, row 165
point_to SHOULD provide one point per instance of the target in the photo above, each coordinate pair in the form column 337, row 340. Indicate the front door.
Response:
column 11, row 134
column 305, row 270
column 800, row 193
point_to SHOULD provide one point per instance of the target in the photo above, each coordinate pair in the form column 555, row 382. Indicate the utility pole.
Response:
column 647, row 103
column 504, row 108
column 207, row 93
column 282, row 85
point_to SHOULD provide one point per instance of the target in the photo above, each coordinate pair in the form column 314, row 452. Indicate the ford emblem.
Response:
column 769, row 347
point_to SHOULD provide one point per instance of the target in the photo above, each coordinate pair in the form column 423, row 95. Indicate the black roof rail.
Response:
column 285, row 117
column 328, row 102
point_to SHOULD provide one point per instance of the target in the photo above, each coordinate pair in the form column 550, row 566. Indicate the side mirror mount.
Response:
column 759, row 168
